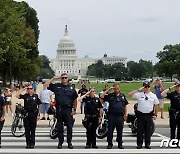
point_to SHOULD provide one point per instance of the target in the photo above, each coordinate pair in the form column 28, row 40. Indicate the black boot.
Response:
column 70, row 146
column 59, row 146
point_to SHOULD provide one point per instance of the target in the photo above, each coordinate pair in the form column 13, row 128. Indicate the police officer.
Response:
column 174, row 111
column 82, row 92
column 2, row 113
column 93, row 114
column 146, row 109
column 117, row 113
column 66, row 99
column 32, row 114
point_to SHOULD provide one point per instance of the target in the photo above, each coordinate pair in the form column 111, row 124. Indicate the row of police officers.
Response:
column 66, row 104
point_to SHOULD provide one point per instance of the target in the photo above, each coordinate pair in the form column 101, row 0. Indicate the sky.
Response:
column 136, row 29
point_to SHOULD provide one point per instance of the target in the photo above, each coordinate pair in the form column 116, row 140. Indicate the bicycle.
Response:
column 17, row 127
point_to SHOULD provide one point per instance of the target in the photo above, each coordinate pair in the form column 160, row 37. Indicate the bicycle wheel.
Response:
column 17, row 127
column 53, row 132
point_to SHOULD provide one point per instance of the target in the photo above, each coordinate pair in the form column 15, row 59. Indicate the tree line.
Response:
column 19, row 35
column 20, row 59
column 168, row 66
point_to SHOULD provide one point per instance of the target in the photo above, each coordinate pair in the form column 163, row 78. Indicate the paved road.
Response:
column 44, row 144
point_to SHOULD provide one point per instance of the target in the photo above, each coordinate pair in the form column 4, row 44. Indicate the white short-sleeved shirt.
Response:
column 146, row 106
column 45, row 96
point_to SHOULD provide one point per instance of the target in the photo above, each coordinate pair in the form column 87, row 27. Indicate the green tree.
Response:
column 135, row 70
column 45, row 72
column 169, row 60
column 96, row 69
column 147, row 67
column 18, row 41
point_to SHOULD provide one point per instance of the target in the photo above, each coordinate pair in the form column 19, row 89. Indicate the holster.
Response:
column 173, row 112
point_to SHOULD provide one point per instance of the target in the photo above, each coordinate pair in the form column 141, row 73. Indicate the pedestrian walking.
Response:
column 8, row 100
column 66, row 99
column 174, row 110
column 46, row 98
column 32, row 114
column 34, row 86
column 93, row 116
column 2, row 113
column 146, row 109
column 159, row 88
column 117, row 113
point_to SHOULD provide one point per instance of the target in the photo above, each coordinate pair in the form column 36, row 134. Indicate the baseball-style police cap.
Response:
column 146, row 83
column 177, row 83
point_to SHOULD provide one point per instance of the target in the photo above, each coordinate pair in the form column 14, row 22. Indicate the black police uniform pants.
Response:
column 1, row 126
column 175, row 122
column 64, row 116
column 30, row 123
column 144, row 125
column 91, row 131
column 118, row 122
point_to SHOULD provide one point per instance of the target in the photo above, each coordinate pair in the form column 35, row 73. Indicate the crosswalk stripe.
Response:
column 47, row 145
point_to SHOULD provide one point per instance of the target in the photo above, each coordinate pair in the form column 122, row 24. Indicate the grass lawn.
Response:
column 166, row 107
column 125, row 87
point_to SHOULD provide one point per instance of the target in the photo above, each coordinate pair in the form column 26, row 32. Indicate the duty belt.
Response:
column 91, row 116
column 144, row 114
column 175, row 112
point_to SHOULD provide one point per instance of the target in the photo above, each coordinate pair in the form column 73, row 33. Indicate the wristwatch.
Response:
column 75, row 110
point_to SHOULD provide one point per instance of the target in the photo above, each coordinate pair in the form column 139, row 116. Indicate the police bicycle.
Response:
column 17, row 127
column 53, row 121
column 102, row 129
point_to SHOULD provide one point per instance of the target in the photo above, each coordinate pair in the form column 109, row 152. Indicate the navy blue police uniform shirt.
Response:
column 82, row 91
column 2, row 103
column 30, row 102
column 116, row 103
column 174, row 98
column 64, row 94
column 92, row 105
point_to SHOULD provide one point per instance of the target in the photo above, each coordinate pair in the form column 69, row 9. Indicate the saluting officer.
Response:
column 66, row 99
column 2, row 113
column 32, row 114
column 117, row 113
column 93, row 114
column 174, row 111
column 146, row 109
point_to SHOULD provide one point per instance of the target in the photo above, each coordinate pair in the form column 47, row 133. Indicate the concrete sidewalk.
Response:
column 78, row 117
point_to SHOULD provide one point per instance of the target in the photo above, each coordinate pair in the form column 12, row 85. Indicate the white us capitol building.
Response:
column 67, row 61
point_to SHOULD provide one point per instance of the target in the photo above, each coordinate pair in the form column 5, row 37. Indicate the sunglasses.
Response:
column 92, row 91
column 146, row 86
column 63, row 77
column 29, row 88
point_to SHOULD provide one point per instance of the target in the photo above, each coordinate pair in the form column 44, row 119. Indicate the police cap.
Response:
column 146, row 83
column 177, row 83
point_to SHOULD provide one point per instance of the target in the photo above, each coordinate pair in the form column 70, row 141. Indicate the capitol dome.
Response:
column 66, row 46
